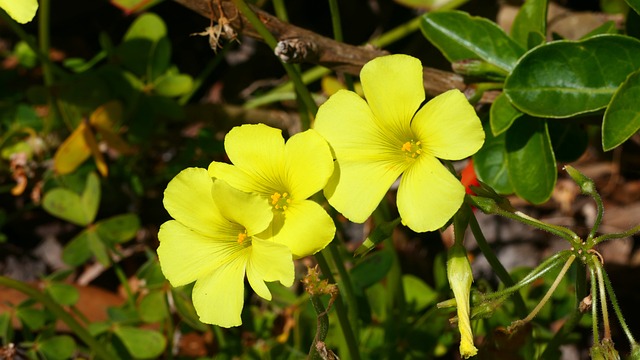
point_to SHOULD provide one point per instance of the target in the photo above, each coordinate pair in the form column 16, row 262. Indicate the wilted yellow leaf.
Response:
column 73, row 151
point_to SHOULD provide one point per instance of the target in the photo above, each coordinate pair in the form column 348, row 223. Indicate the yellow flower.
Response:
column 21, row 11
column 285, row 175
column 219, row 234
column 460, row 278
column 389, row 135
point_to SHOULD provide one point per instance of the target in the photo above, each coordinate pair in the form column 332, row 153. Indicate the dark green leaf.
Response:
column 490, row 163
column 57, row 347
column 6, row 328
column 531, row 20
column 98, row 248
column 530, row 159
column 160, row 58
column 566, row 78
column 30, row 317
column 119, row 228
column 502, row 114
column 460, row 37
column 184, row 307
column 569, row 141
column 622, row 118
column 141, row 343
column 608, row 27
column 371, row 270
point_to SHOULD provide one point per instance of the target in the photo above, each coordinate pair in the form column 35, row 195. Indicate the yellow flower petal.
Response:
column 21, row 11
column 449, row 127
column 460, row 278
column 308, row 164
column 258, row 150
column 269, row 261
column 186, row 255
column 239, row 179
column 428, row 195
column 188, row 200
column 368, row 159
column 394, row 89
column 239, row 207
column 307, row 228
column 219, row 296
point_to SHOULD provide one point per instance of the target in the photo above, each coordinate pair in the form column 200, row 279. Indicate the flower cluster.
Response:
column 253, row 217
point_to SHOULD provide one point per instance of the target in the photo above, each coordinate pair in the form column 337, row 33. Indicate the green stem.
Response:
column 551, row 290
column 336, row 24
column 209, row 68
column 280, row 10
column 44, row 17
column 616, row 308
column 496, row 265
column 96, row 347
column 341, row 311
column 603, row 299
column 594, row 305
column 294, row 75
column 600, row 211
column 322, row 328
column 607, row 237
column 346, row 286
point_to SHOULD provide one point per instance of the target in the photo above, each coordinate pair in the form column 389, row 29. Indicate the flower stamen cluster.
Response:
column 280, row 201
column 412, row 148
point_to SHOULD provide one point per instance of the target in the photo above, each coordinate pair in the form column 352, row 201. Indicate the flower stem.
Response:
column 496, row 265
column 294, row 75
column 341, row 310
column 337, row 34
column 44, row 17
column 603, row 299
column 345, row 286
column 600, row 211
column 616, row 308
column 607, row 237
column 96, row 347
column 594, row 305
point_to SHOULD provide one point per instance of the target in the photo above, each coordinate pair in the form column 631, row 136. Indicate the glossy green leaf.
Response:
column 77, row 251
column 502, row 114
column 119, row 228
column 60, row 347
column 608, row 27
column 567, row 78
column 418, row 293
column 371, row 270
column 569, row 140
column 531, row 19
column 490, row 162
column 67, row 205
column 63, row 294
column 153, row 307
column 460, row 37
column 530, row 159
column 622, row 117
column 173, row 85
column 141, row 343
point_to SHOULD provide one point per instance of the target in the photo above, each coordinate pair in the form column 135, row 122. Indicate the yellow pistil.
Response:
column 242, row 237
column 412, row 148
column 280, row 201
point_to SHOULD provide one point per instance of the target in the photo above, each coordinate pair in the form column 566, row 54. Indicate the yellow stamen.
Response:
column 280, row 201
column 412, row 148
column 242, row 236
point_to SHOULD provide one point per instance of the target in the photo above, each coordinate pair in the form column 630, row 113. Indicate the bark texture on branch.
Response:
column 300, row 45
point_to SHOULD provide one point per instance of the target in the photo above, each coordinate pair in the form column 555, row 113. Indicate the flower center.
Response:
column 412, row 149
column 280, row 201
column 242, row 237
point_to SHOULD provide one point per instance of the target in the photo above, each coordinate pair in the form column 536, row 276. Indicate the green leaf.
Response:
column 63, row 294
column 371, row 270
column 147, row 26
column 622, row 117
column 160, row 58
column 153, row 307
column 6, row 328
column 57, row 347
column 141, row 343
column 67, row 205
column 567, row 78
column 569, row 141
column 119, row 228
column 30, row 317
column 490, row 163
column 378, row 235
column 173, row 85
column 430, row 5
column 530, row 159
column 608, row 27
column 460, row 37
column 418, row 293
column 134, row 6
column 77, row 251
column 184, row 307
column 531, row 20
column 98, row 248
column 502, row 114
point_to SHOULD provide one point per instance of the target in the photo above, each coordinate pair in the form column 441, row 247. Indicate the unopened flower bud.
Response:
column 460, row 279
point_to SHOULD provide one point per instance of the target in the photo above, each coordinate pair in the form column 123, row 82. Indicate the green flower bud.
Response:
column 460, row 279
column 587, row 186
